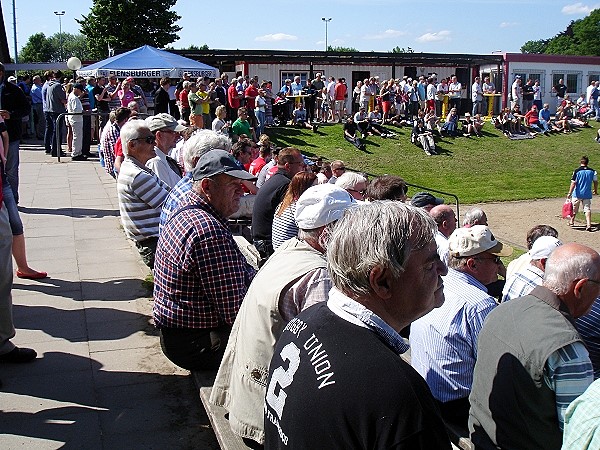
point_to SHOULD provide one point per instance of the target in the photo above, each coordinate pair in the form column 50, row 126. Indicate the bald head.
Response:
column 573, row 274
column 444, row 218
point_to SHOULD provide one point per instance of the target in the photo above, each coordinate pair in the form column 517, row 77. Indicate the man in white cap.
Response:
column 200, row 275
column 522, row 282
column 166, row 132
column 294, row 278
column 444, row 342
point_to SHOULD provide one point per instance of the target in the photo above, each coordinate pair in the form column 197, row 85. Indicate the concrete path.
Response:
column 510, row 221
column 100, row 380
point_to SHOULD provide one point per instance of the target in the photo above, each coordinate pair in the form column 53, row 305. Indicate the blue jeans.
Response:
column 49, row 131
column 12, row 167
column 16, row 225
column 260, row 116
column 57, row 134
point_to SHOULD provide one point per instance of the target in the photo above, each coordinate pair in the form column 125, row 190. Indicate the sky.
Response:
column 477, row 26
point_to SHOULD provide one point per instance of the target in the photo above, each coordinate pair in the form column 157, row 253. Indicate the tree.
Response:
column 40, row 48
column 579, row 38
column 535, row 46
column 129, row 24
column 341, row 49
column 37, row 49
column 398, row 49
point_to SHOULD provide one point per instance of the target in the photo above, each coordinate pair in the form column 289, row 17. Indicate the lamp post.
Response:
column 60, row 14
column 326, row 22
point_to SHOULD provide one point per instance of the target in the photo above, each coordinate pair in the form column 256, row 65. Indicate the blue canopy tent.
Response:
column 148, row 62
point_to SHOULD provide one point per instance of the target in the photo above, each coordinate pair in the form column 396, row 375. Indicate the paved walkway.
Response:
column 100, row 380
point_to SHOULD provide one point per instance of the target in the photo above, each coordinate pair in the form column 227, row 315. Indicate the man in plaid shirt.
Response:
column 200, row 275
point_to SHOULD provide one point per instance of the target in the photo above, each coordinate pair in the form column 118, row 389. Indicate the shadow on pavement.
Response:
column 124, row 289
column 72, row 212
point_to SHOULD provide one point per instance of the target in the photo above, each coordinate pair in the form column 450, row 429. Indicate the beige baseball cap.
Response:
column 474, row 240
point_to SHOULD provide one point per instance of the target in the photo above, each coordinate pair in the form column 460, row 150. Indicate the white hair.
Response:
column 380, row 233
column 201, row 142
column 349, row 180
column 560, row 271
column 473, row 216
column 132, row 130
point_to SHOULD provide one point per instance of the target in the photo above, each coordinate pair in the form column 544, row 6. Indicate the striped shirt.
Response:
column 108, row 140
column 589, row 329
column 141, row 195
column 444, row 341
column 284, row 226
column 522, row 283
column 568, row 372
column 309, row 290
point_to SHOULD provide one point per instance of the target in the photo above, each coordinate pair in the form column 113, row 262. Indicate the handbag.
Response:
column 567, row 209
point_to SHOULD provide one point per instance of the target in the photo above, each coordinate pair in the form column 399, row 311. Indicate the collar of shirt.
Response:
column 465, row 278
column 141, row 166
column 193, row 198
column 352, row 311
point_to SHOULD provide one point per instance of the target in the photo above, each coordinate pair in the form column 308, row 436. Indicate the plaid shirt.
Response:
column 522, row 283
column 108, row 141
column 200, row 275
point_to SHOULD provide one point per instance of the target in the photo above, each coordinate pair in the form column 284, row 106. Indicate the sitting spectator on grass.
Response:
column 519, row 118
column 141, row 193
column 450, row 127
column 532, row 120
column 420, row 134
column 376, row 124
column 299, row 118
column 284, row 225
column 544, row 118
column 468, row 126
column 478, row 123
column 350, row 133
column 561, row 120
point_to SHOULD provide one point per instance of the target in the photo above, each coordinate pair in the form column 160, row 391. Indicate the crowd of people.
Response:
column 350, row 268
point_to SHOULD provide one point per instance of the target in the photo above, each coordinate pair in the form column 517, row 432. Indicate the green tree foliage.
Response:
column 37, row 49
column 579, row 38
column 535, row 46
column 40, row 48
column 129, row 24
column 330, row 48
column 398, row 49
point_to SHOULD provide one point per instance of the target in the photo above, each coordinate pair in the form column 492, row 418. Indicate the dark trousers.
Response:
column 49, row 131
column 56, row 144
column 147, row 249
column 354, row 141
column 86, row 140
column 195, row 348
column 455, row 103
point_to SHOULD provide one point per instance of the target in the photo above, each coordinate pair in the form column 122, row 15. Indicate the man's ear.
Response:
column 380, row 281
column 579, row 287
column 471, row 264
column 205, row 186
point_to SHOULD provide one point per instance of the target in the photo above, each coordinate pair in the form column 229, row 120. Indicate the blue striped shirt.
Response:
column 175, row 197
column 522, row 283
column 568, row 372
column 444, row 342
column 589, row 329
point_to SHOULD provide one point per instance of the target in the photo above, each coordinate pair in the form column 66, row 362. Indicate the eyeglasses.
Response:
column 147, row 139
column 593, row 281
column 496, row 259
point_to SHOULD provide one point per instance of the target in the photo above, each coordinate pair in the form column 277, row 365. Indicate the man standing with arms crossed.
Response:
column 580, row 191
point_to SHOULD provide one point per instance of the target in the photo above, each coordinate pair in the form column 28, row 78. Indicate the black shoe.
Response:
column 18, row 355
column 61, row 154
column 79, row 158
column 48, row 152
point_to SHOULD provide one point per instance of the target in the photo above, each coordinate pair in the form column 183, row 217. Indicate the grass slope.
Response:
column 490, row 168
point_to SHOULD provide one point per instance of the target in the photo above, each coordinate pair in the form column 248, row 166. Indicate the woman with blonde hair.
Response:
column 284, row 224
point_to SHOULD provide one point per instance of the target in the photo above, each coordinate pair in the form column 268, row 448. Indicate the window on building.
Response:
column 292, row 75
column 572, row 80
column 593, row 76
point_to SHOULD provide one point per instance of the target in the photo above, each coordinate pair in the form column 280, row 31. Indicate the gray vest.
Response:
column 511, row 405
column 241, row 382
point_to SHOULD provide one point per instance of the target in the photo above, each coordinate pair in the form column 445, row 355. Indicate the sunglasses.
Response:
column 495, row 259
column 147, row 139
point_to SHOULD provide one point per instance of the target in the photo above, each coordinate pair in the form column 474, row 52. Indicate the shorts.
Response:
column 386, row 106
column 586, row 202
column 339, row 104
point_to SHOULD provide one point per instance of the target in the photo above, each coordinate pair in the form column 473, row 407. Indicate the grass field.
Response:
column 490, row 168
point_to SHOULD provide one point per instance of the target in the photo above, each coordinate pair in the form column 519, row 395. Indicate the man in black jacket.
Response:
column 13, row 107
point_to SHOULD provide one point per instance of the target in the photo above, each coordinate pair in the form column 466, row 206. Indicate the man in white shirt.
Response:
column 516, row 93
column 477, row 97
column 166, row 131
column 76, row 122
column 454, row 91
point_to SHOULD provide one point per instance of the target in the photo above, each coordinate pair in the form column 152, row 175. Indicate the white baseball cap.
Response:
column 543, row 246
column 474, row 240
column 320, row 205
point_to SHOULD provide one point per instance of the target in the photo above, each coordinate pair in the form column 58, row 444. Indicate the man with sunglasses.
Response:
column 444, row 342
column 141, row 193
column 166, row 134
